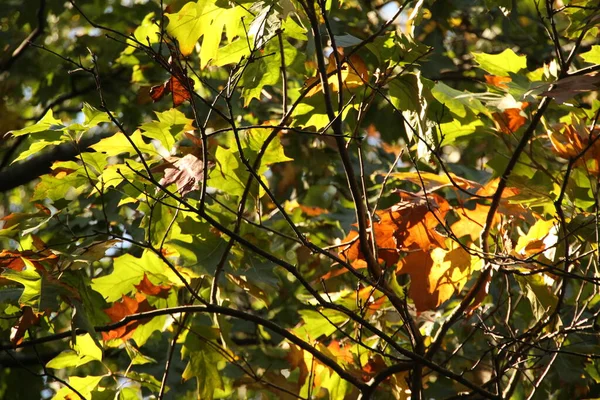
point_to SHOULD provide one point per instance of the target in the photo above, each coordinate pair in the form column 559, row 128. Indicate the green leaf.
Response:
column 35, row 148
column 261, row 72
column 40, row 290
column 207, row 19
column 229, row 174
column 118, row 144
column 93, row 117
column 84, row 351
column 203, row 362
column 317, row 325
column 501, row 64
column 170, row 124
column 541, row 298
column 47, row 123
column 129, row 271
column 592, row 56
column 62, row 186
column 457, row 102
column 84, row 386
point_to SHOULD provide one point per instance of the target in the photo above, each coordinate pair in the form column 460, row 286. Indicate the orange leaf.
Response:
column 510, row 120
column 407, row 226
column 149, row 288
column 435, row 276
column 498, row 81
column 120, row 310
column 471, row 222
column 295, row 357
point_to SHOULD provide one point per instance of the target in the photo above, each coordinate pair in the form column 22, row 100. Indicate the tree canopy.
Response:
column 312, row 199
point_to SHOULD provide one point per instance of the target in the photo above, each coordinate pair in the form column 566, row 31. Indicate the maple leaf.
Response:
column 433, row 182
column 147, row 287
column 120, row 310
column 472, row 221
column 295, row 358
column 186, row 172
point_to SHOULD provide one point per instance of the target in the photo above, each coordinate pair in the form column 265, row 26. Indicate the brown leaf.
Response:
column 564, row 89
column 28, row 319
column 295, row 358
column 185, row 172
column 120, row 310
column 149, row 288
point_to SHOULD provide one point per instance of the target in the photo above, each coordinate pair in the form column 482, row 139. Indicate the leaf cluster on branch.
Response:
column 327, row 199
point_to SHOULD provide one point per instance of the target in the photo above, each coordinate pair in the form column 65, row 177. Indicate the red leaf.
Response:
column 120, row 310
column 149, row 288
column 173, row 85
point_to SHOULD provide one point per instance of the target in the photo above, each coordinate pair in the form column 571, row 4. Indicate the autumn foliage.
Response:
column 300, row 199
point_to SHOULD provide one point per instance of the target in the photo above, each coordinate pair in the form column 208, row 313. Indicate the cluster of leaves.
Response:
column 300, row 199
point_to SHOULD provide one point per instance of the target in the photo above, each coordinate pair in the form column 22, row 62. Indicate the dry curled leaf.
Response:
column 186, row 172
column 566, row 88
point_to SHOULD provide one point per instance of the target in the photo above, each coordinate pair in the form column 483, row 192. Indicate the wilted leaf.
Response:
column 28, row 319
column 186, row 172
column 566, row 88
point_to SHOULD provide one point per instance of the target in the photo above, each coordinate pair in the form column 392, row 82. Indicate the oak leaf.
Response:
column 565, row 88
column 437, row 275
column 180, row 91
column 147, row 287
column 119, row 310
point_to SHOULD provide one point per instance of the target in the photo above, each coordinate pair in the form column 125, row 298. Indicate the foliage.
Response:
column 299, row 199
